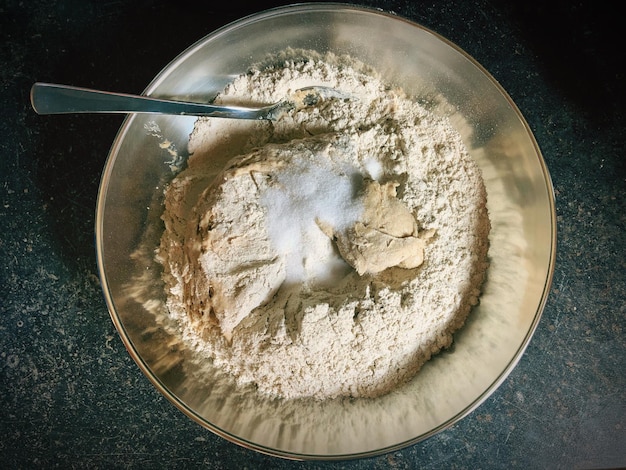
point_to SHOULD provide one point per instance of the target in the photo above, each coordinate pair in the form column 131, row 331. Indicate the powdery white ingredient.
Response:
column 307, row 191
column 223, row 245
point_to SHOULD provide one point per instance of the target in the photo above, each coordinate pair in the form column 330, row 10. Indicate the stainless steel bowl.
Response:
column 522, row 241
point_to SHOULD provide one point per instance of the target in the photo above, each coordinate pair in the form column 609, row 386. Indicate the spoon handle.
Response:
column 50, row 98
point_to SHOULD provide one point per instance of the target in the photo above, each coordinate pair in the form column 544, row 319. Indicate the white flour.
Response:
column 251, row 250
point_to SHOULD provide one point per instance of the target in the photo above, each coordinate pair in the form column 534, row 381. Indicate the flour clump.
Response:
column 330, row 252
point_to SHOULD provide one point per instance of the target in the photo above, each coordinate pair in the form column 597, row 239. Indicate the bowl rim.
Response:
column 295, row 8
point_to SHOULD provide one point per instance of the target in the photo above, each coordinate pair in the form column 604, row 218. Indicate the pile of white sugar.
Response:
column 328, row 253
column 306, row 191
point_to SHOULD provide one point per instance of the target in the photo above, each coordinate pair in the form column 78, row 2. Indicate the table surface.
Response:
column 70, row 394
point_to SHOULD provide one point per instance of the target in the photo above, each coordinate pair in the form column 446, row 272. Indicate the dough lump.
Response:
column 386, row 235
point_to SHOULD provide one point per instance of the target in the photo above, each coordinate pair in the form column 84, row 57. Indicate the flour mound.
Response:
column 333, row 251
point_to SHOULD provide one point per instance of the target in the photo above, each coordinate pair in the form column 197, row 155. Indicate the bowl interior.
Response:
column 522, row 240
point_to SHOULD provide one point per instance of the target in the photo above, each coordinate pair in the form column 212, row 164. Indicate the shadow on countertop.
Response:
column 578, row 48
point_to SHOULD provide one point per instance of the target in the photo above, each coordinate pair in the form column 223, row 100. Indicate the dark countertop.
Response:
column 70, row 394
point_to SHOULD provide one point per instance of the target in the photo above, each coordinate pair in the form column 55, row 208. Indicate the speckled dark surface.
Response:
column 70, row 395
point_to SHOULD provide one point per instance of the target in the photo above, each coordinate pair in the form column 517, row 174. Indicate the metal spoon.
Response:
column 50, row 98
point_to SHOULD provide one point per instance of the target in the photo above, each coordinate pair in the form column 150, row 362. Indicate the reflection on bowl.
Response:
column 149, row 149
